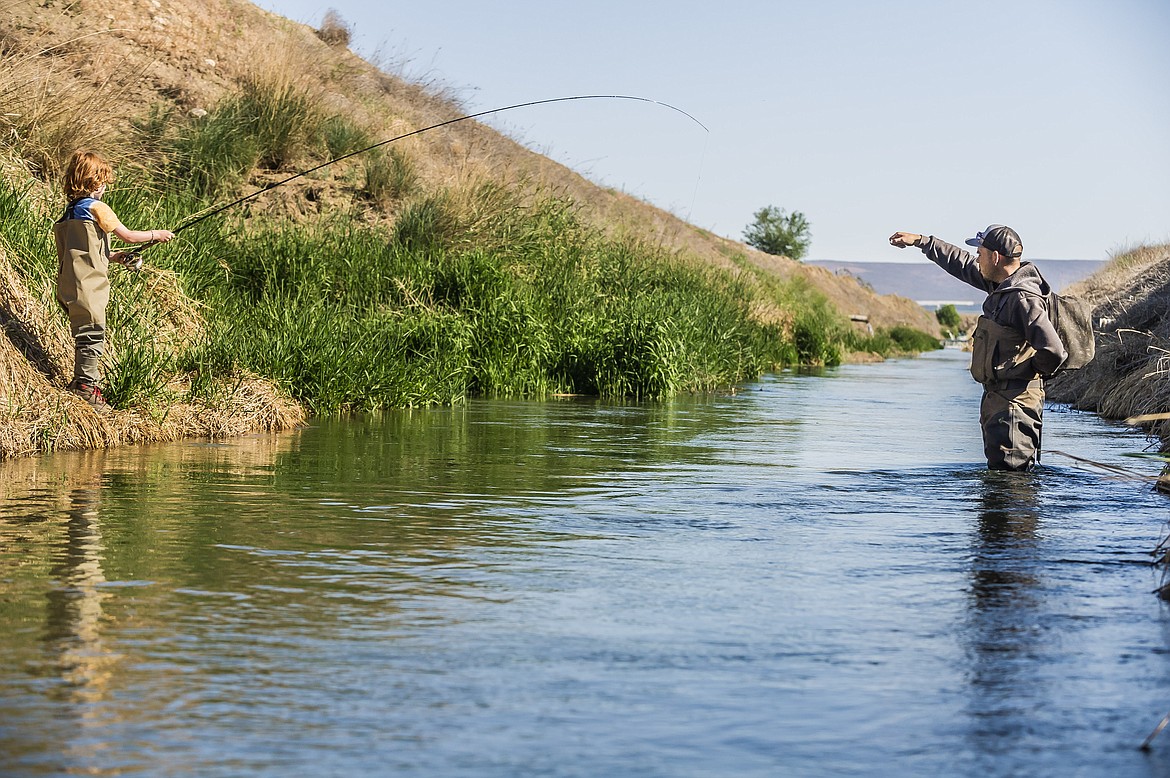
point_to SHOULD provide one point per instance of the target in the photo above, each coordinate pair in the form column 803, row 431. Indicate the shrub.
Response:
column 776, row 232
column 910, row 339
column 948, row 316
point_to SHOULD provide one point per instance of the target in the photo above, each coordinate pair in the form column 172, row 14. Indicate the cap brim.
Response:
column 974, row 242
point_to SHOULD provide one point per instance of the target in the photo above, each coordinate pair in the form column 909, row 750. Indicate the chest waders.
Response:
column 83, row 289
column 1011, row 412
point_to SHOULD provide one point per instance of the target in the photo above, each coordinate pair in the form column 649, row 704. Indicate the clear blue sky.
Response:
column 925, row 115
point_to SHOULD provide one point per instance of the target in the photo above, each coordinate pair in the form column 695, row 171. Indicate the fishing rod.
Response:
column 131, row 254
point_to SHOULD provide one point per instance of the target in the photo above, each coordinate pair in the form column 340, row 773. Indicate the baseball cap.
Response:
column 999, row 238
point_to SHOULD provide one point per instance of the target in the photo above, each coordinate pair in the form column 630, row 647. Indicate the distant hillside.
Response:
column 925, row 282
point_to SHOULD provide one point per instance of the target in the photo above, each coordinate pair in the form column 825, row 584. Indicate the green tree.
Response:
column 948, row 317
column 776, row 232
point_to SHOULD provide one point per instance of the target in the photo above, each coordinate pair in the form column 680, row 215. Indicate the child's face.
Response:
column 101, row 190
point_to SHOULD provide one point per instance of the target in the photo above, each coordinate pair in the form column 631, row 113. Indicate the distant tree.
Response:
column 948, row 317
column 776, row 232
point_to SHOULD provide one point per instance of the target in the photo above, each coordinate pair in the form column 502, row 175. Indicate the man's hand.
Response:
column 904, row 239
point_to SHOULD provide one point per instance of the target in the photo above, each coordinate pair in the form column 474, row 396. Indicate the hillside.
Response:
column 190, row 54
column 455, row 263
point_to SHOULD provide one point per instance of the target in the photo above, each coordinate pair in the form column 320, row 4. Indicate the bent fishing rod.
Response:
column 131, row 254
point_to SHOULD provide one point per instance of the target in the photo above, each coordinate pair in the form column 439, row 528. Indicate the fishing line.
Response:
column 301, row 174
column 699, row 177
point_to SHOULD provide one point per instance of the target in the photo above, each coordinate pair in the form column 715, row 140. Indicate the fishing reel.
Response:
column 131, row 260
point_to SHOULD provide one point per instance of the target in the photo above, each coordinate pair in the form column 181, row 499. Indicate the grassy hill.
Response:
column 453, row 263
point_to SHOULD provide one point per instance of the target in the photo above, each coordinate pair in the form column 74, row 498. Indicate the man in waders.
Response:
column 1015, row 344
column 82, row 236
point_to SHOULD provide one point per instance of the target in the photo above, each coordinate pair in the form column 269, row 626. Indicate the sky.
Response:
column 931, row 116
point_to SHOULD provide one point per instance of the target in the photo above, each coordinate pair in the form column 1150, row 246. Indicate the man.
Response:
column 1015, row 344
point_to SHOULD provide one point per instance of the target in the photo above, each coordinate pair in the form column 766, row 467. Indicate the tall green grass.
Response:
column 895, row 341
column 352, row 319
column 480, row 294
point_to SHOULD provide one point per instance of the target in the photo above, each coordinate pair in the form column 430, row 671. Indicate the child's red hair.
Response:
column 85, row 173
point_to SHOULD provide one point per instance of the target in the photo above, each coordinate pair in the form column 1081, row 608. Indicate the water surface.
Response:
column 814, row 576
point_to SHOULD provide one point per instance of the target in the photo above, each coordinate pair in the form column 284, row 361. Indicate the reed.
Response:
column 349, row 320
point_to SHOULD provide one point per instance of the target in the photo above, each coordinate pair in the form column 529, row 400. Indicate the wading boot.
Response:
column 91, row 394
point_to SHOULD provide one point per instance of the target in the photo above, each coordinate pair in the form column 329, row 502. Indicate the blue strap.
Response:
column 80, row 209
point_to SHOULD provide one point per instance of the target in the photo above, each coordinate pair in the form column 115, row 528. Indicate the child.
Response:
column 82, row 236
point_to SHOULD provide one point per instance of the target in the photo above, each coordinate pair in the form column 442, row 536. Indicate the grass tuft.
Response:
column 390, row 176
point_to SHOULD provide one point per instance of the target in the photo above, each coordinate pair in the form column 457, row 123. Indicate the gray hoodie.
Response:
column 1018, row 303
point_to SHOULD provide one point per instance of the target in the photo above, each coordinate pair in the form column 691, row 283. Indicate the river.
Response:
column 814, row 576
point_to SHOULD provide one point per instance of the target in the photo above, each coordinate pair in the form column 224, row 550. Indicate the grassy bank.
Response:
column 364, row 287
column 517, row 300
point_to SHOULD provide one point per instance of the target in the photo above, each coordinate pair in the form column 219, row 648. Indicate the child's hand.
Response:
column 128, row 259
column 161, row 236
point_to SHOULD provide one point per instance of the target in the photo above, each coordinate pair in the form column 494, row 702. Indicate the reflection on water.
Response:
column 73, row 622
column 815, row 577
column 1006, row 607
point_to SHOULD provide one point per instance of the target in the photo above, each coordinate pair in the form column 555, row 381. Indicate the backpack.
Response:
column 1072, row 318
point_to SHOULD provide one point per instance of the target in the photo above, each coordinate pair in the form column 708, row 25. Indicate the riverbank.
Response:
column 1130, row 376
column 455, row 265
column 302, row 317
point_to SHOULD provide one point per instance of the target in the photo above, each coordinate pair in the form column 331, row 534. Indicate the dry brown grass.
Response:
column 39, row 333
column 41, row 102
column 245, row 403
column 1130, row 374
